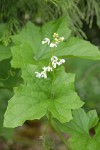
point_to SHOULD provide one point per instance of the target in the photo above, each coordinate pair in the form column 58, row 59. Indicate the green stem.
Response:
column 44, row 136
column 60, row 135
column 52, row 123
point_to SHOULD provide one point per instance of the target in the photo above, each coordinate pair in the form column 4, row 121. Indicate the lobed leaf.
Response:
column 36, row 97
column 79, row 129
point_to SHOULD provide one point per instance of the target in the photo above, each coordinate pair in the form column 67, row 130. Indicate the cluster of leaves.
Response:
column 35, row 97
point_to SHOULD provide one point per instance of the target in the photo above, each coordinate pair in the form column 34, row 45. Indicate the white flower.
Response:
column 44, row 68
column 54, row 63
column 53, row 45
column 61, row 61
column 47, row 68
column 43, row 74
column 38, row 75
column 54, row 58
column 46, row 40
column 61, row 39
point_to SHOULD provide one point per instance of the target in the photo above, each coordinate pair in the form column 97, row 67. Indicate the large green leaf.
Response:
column 37, row 97
column 76, row 47
column 29, row 48
column 29, row 41
column 79, row 129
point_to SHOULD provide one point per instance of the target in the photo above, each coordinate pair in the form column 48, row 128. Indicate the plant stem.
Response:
column 44, row 137
column 50, row 118
column 60, row 135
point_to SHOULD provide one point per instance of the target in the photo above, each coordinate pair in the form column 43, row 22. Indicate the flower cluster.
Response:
column 56, row 40
column 54, row 61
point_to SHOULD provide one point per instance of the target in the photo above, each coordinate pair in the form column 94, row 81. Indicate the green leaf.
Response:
column 4, row 96
column 22, row 55
column 28, row 44
column 30, row 35
column 4, row 52
column 61, row 108
column 76, row 47
column 36, row 97
column 29, row 48
column 59, row 26
column 79, row 129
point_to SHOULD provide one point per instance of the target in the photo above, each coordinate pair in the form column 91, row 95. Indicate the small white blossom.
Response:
column 54, row 63
column 54, row 58
column 62, row 39
column 53, row 45
column 44, row 68
column 46, row 40
column 61, row 61
column 38, row 75
column 47, row 68
column 43, row 74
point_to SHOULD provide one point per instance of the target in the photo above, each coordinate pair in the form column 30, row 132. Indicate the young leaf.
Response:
column 79, row 129
column 38, row 96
